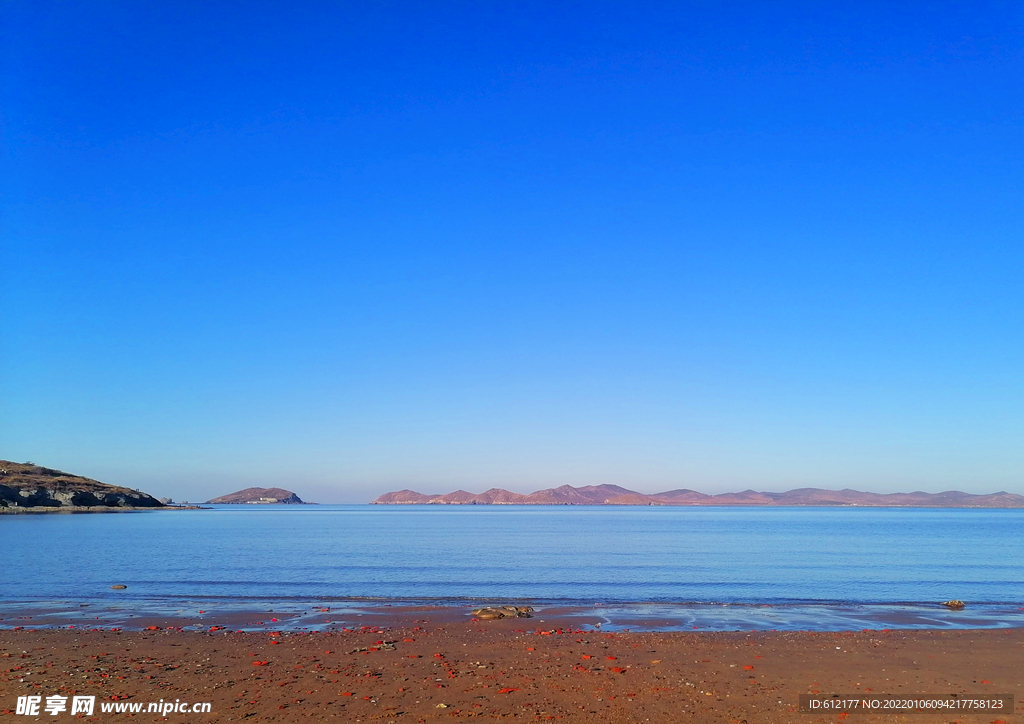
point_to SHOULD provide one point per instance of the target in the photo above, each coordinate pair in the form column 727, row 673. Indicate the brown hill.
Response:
column 27, row 485
column 615, row 495
column 497, row 496
column 587, row 495
column 682, row 496
column 404, row 497
column 259, row 496
column 745, row 497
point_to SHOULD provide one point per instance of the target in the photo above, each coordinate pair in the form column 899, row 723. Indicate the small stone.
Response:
column 955, row 604
column 493, row 612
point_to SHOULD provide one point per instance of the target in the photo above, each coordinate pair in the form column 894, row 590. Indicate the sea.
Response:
column 718, row 568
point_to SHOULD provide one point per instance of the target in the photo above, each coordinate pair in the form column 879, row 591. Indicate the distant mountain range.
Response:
column 615, row 495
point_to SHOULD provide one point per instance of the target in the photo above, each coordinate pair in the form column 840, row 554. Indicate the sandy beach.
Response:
column 439, row 668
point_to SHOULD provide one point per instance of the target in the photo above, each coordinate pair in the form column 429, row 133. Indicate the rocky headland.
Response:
column 30, row 487
column 615, row 495
column 259, row 496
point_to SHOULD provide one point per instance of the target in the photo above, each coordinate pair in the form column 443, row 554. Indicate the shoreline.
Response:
column 686, row 505
column 424, row 670
column 112, row 610
column 15, row 510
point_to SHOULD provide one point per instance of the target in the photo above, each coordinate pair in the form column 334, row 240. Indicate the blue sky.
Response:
column 347, row 248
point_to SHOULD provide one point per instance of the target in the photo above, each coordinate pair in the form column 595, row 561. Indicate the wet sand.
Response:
column 439, row 667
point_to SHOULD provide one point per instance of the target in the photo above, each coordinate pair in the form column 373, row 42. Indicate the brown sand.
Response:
column 508, row 670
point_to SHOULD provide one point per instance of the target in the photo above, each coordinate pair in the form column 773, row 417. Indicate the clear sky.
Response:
column 346, row 248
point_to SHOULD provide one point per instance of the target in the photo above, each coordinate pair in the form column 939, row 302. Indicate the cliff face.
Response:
column 259, row 496
column 33, row 486
column 614, row 495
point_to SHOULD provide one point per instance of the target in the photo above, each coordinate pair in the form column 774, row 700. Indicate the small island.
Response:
column 27, row 487
column 259, row 496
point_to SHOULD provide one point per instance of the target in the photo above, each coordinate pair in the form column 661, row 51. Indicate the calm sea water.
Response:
column 554, row 555
column 571, row 554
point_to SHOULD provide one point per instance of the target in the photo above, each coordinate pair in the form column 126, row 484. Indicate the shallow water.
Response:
column 805, row 563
